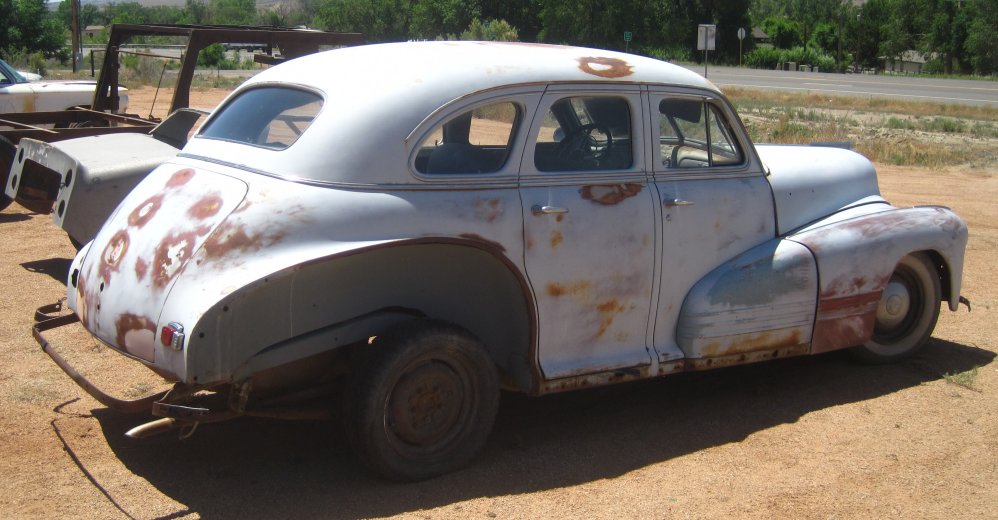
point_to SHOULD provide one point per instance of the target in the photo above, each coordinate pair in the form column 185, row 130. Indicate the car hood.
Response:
column 812, row 182
column 120, row 282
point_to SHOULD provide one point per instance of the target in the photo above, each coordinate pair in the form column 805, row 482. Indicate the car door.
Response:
column 589, row 240
column 715, row 200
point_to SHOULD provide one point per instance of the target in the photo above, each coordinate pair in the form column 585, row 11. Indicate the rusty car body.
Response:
column 448, row 219
column 78, row 164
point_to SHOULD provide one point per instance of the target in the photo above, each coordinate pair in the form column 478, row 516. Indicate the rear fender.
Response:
column 330, row 302
column 857, row 256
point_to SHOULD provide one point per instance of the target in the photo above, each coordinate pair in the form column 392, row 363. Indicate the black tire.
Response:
column 906, row 314
column 422, row 402
column 7, row 151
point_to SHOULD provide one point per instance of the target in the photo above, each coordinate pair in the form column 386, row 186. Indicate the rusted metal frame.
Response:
column 45, row 135
column 127, row 406
column 668, row 367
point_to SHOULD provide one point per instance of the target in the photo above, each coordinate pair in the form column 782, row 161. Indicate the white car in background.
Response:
column 19, row 93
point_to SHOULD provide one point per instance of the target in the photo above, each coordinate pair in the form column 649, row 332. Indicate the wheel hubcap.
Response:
column 894, row 305
column 426, row 404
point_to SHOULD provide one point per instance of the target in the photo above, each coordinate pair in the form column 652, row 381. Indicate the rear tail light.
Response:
column 172, row 336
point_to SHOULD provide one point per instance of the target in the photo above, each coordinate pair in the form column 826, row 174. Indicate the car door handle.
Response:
column 547, row 210
column 671, row 203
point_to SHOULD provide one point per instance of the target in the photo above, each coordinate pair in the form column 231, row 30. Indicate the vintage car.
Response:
column 399, row 231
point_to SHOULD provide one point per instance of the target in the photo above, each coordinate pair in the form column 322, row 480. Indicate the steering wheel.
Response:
column 584, row 146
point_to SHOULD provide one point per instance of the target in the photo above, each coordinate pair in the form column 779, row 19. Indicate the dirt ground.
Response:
column 814, row 437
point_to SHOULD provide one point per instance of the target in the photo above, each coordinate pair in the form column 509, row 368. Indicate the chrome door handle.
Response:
column 671, row 203
column 547, row 210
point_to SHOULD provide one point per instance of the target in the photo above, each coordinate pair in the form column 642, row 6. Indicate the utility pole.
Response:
column 74, row 14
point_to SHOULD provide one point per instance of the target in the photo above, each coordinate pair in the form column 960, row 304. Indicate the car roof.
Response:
column 375, row 95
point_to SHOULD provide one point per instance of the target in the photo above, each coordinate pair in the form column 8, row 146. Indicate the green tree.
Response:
column 379, row 20
column 490, row 30
column 783, row 32
column 433, row 18
column 982, row 36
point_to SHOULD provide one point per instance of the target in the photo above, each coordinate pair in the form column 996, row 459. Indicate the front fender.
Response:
column 856, row 257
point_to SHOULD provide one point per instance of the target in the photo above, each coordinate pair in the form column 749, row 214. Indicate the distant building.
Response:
column 761, row 38
column 911, row 62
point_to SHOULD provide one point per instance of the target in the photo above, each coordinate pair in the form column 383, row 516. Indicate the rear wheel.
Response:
column 422, row 402
column 907, row 312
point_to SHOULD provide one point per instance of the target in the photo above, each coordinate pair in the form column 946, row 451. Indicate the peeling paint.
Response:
column 233, row 238
column 488, row 209
column 113, row 252
column 609, row 195
column 608, row 310
column 144, row 212
column 141, row 268
column 180, row 178
column 171, row 254
column 136, row 334
column 207, row 207
column 605, row 67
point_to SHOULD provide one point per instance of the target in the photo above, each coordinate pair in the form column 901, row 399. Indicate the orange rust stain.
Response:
column 488, row 209
column 180, row 178
column 243, row 206
column 233, row 238
column 130, row 322
column 609, row 195
column 87, row 301
column 208, row 206
column 608, row 310
column 605, row 67
column 171, row 253
column 557, row 290
column 113, row 252
column 530, row 243
column 141, row 268
column 145, row 211
column 556, row 239
column 752, row 343
column 560, row 217
column 478, row 238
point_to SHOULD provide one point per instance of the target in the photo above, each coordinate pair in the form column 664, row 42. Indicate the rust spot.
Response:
column 208, row 206
column 86, row 301
column 605, row 67
column 488, row 209
column 180, row 178
column 478, row 238
column 243, row 206
column 141, row 268
column 233, row 238
column 559, row 217
column 848, row 331
column 608, row 310
column 751, row 343
column 145, row 211
column 556, row 239
column 530, row 243
column 609, row 195
column 113, row 252
column 127, row 323
column 558, row 290
column 171, row 254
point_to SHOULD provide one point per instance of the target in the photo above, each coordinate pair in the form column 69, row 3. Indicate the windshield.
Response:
column 268, row 117
column 8, row 75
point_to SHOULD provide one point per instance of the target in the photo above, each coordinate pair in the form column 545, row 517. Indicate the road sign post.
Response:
column 628, row 36
column 706, row 34
column 741, row 37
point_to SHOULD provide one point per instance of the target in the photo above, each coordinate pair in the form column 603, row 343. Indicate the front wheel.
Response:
column 906, row 314
column 422, row 402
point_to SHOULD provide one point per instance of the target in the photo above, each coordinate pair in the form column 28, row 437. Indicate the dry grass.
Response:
column 902, row 133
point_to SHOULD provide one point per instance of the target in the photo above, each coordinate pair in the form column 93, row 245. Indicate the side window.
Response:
column 477, row 141
column 695, row 134
column 590, row 133
column 268, row 117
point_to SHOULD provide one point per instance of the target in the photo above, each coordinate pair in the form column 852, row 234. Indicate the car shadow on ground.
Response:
column 13, row 217
column 261, row 468
column 57, row 268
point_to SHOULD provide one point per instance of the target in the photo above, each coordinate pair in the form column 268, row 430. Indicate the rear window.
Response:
column 269, row 117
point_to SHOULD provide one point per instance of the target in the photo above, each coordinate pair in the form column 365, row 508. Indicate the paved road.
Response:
column 984, row 93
